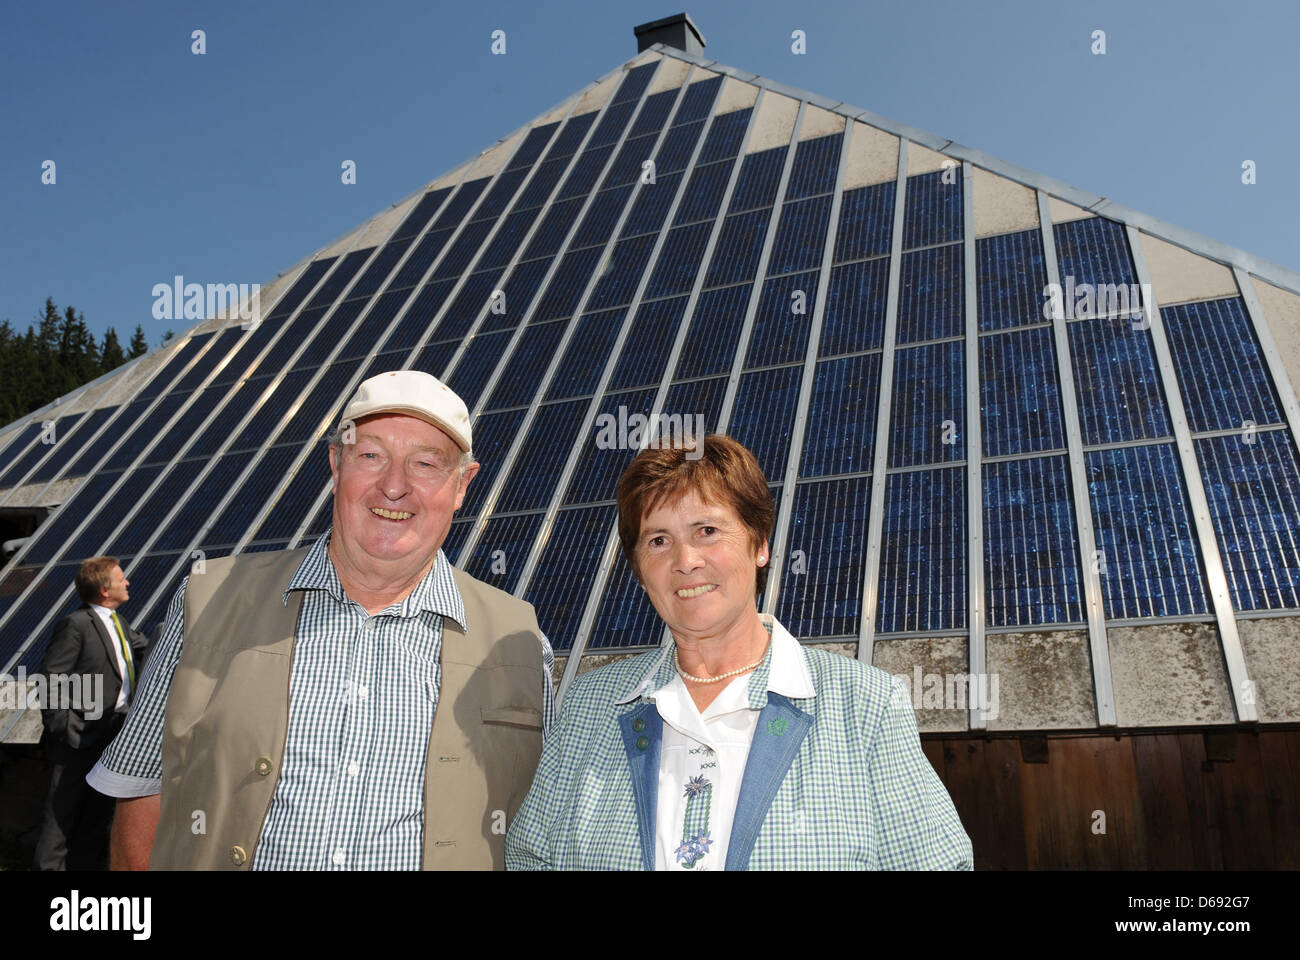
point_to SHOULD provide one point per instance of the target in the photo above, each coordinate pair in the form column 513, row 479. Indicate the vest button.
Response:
column 263, row 766
column 238, row 856
column 642, row 742
column 638, row 724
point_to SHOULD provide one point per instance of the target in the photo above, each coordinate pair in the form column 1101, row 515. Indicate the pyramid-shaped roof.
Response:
column 1090, row 496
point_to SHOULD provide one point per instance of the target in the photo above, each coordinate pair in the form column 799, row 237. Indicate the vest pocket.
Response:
column 525, row 717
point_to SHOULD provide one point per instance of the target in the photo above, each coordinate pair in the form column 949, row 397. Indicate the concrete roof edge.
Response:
column 1194, row 242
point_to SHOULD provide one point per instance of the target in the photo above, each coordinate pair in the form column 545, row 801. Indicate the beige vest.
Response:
column 227, row 719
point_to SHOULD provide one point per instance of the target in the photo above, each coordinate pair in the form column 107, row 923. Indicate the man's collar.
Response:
column 784, row 670
column 435, row 593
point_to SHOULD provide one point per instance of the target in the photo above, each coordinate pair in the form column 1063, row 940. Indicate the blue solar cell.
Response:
column 492, row 435
column 542, row 457
column 434, row 358
column 588, row 351
column 724, row 137
column 933, row 209
column 841, row 430
column 653, row 113
column 112, row 509
column 816, row 162
column 780, row 333
column 198, row 505
column 602, row 460
column 563, row 580
column 634, row 84
column 800, row 236
column 522, row 376
column 1149, row 556
column 461, row 253
column 499, row 556
column 166, row 374
column 476, row 366
column 711, row 342
column 570, row 138
column 760, row 175
column 289, row 335
column 420, row 216
column 145, row 522
column 234, row 520
column 929, row 405
column 1020, row 395
column 533, row 145
column 651, row 205
column 455, row 539
column 822, row 580
column 645, row 351
column 147, row 574
column 1222, row 373
column 544, row 180
column 628, row 165
column 379, row 269
column 740, row 244
column 68, row 446
column 698, row 100
column 339, row 278
column 459, row 205
column 1010, row 275
column 29, row 450
column 679, row 261
column 474, row 298
column 134, row 437
column 319, row 410
column 1115, row 374
column 285, row 392
column 584, row 173
column 923, row 553
column 855, row 308
column 365, row 338
column 626, row 617
column 763, row 418
column 866, row 222
column 675, row 154
column 50, row 584
column 1092, row 251
column 204, row 365
column 53, row 535
column 704, row 191
column 697, row 398
column 1031, row 547
column 426, row 251
column 562, row 294
column 321, row 522
column 290, row 302
column 555, row 227
column 1252, row 482
column 932, row 295
column 508, row 238
column 602, row 216
column 621, row 272
column 268, row 546
column 328, row 334
column 500, row 195
column 17, row 441
column 93, row 454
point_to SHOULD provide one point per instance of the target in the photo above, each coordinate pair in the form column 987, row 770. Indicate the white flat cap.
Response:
column 415, row 394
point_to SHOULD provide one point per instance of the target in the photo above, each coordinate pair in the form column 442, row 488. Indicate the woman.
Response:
column 733, row 746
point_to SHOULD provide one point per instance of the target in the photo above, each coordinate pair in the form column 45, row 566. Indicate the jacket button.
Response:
column 238, row 856
column 638, row 724
column 642, row 742
column 263, row 766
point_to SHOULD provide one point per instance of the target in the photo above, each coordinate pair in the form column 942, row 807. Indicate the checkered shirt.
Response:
column 364, row 689
column 859, row 793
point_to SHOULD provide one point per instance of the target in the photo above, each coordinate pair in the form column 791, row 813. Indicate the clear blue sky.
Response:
column 226, row 167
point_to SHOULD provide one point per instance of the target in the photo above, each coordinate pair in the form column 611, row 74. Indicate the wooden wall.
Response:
column 1166, row 806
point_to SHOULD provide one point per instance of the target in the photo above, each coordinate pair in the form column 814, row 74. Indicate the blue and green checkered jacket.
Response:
column 836, row 781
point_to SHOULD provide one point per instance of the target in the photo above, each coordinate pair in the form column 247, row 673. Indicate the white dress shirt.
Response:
column 124, row 692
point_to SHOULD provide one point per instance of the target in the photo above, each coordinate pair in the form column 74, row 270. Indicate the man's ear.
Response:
column 470, row 473
column 335, row 454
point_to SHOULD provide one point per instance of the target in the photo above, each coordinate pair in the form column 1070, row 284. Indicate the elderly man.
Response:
column 358, row 704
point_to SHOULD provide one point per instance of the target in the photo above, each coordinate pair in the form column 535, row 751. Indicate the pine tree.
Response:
column 110, row 354
column 139, row 345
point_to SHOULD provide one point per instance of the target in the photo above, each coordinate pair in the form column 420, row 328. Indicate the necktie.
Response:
column 126, row 652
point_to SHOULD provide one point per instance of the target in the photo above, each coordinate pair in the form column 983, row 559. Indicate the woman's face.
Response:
column 698, row 563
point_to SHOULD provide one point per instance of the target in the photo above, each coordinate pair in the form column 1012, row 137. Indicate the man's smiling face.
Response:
column 395, row 490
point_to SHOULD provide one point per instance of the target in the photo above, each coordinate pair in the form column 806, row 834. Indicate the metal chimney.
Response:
column 676, row 31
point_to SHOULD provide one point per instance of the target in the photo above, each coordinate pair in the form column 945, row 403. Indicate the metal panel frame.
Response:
column 1103, row 685
column 1272, row 356
column 1217, row 580
column 976, row 601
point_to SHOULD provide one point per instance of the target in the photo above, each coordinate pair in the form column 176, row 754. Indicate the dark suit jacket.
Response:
column 83, row 645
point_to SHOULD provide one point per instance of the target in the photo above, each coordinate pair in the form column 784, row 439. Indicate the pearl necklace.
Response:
column 721, row 676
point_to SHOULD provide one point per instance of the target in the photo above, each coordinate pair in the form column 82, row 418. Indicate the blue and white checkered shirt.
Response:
column 364, row 689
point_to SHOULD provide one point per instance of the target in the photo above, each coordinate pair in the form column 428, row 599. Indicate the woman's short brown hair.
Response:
column 723, row 472
column 94, row 577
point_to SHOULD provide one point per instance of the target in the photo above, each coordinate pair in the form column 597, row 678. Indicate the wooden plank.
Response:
column 1198, row 777
column 964, row 765
column 1074, row 777
column 1282, row 794
column 1246, row 827
column 1124, row 844
column 1006, row 847
column 1164, row 802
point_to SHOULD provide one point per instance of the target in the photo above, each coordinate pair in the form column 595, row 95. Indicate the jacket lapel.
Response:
column 110, row 643
column 781, row 729
column 642, row 729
